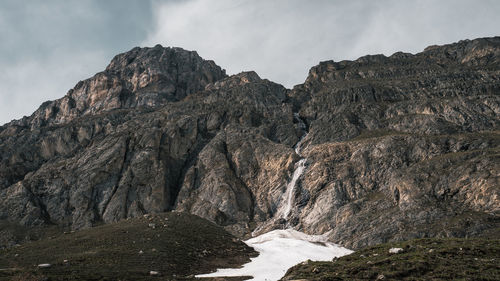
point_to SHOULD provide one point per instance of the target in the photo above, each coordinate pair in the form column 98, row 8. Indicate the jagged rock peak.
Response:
column 141, row 77
column 482, row 52
column 235, row 80
column 477, row 51
column 160, row 57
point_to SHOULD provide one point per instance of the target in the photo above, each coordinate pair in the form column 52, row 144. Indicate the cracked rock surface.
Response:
column 397, row 147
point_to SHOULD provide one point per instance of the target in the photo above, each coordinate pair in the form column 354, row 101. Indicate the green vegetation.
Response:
column 421, row 259
column 176, row 245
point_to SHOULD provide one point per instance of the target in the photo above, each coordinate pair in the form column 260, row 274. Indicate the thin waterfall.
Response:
column 290, row 188
column 287, row 202
column 284, row 210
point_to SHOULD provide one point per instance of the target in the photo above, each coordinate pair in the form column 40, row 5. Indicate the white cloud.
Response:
column 282, row 39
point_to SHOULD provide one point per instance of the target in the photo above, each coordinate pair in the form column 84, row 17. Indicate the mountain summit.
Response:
column 141, row 77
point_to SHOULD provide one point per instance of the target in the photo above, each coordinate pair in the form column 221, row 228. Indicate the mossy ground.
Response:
column 178, row 246
column 421, row 259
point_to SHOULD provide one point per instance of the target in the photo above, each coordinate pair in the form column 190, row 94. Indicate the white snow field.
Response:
column 278, row 251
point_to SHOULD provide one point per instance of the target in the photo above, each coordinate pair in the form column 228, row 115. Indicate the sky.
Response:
column 48, row 46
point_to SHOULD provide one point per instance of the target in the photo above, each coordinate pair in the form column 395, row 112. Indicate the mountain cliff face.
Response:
column 394, row 147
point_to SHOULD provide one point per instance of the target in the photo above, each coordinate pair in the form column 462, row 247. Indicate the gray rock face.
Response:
column 125, row 163
column 396, row 147
column 142, row 77
column 403, row 146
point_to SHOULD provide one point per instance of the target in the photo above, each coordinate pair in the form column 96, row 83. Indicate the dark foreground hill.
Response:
column 174, row 245
column 398, row 147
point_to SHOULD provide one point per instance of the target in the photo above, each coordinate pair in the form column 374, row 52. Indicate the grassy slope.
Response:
column 178, row 246
column 422, row 259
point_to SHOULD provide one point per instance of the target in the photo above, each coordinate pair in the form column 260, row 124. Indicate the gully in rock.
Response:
column 286, row 205
column 284, row 210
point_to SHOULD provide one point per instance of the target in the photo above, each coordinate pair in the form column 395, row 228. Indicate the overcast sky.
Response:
column 48, row 46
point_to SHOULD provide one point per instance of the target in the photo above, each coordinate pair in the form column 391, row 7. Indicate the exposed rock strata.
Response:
column 397, row 147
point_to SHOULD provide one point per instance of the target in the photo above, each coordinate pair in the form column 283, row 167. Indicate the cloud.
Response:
column 26, row 84
column 48, row 46
column 281, row 39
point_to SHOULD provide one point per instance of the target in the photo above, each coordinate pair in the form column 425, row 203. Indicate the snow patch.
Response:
column 279, row 250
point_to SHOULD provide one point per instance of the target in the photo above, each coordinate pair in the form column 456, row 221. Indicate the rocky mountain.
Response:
column 390, row 148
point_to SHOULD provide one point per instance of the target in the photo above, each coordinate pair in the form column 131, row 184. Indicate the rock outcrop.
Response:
column 403, row 146
column 396, row 147
column 146, row 77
